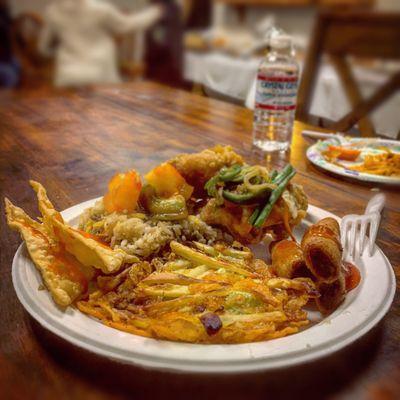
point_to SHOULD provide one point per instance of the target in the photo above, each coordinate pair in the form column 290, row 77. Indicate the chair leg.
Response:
column 365, row 107
column 352, row 91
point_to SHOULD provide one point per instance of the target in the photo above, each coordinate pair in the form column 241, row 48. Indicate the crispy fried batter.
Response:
column 209, row 295
column 198, row 168
column 86, row 249
column 63, row 275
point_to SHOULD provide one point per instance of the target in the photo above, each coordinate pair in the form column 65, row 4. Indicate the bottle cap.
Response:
column 281, row 42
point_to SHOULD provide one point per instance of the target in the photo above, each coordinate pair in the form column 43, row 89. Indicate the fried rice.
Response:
column 140, row 235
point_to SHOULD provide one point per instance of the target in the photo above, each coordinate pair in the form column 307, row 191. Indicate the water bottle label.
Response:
column 276, row 92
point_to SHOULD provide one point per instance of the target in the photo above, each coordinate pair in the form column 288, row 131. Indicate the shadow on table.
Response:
column 319, row 379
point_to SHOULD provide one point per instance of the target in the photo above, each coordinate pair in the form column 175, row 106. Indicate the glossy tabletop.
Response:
column 73, row 142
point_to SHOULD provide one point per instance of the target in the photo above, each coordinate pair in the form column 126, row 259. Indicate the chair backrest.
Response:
column 35, row 69
column 361, row 35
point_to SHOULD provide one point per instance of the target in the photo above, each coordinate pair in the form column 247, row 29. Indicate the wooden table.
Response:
column 73, row 142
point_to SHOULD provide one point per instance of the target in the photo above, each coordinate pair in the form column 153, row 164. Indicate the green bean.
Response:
column 283, row 174
column 273, row 199
column 273, row 175
column 254, row 216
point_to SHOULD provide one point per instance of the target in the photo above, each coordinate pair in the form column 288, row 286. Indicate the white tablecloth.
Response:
column 235, row 78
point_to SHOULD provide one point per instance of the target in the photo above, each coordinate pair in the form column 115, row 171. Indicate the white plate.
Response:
column 314, row 154
column 362, row 309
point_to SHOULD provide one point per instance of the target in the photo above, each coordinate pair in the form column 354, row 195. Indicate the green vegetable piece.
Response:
column 224, row 175
column 243, row 198
column 276, row 193
column 283, row 174
column 254, row 216
column 229, row 173
column 211, row 186
column 237, row 300
column 273, row 175
column 169, row 209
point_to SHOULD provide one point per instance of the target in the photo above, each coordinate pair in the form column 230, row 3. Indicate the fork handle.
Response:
column 375, row 204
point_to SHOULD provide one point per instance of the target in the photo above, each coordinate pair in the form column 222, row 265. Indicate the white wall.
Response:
column 39, row 5
column 390, row 5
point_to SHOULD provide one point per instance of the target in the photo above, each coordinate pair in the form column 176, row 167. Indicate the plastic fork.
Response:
column 354, row 228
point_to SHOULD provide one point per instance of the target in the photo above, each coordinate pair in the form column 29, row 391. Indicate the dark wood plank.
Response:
column 73, row 142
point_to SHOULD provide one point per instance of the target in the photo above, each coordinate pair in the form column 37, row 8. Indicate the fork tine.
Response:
column 373, row 230
column 343, row 231
column 363, row 231
column 352, row 237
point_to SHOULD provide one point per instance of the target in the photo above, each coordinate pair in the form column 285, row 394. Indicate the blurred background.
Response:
column 348, row 51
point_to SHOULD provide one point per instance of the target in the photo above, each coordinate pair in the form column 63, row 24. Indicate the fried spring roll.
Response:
column 331, row 294
column 322, row 250
column 287, row 258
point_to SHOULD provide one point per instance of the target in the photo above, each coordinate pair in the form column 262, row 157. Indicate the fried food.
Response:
column 185, row 277
column 287, row 258
column 206, row 294
column 323, row 251
column 63, row 275
column 331, row 294
column 88, row 250
column 198, row 168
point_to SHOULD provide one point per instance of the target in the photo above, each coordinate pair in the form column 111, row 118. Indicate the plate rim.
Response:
column 221, row 367
column 363, row 176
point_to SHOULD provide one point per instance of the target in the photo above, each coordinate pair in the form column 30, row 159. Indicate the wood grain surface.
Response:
column 73, row 142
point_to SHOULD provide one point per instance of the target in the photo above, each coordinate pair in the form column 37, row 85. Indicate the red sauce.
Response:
column 94, row 237
column 352, row 276
column 66, row 265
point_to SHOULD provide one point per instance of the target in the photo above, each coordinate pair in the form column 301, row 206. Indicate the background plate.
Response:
column 362, row 309
column 314, row 154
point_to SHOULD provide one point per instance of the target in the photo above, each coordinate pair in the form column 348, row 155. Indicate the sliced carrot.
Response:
column 344, row 153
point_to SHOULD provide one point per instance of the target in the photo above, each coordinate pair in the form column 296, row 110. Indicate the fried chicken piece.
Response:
column 198, row 168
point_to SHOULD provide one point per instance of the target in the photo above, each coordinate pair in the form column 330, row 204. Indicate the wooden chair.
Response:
column 364, row 35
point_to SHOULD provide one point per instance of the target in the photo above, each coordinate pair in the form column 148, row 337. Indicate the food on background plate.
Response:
column 165, row 257
column 341, row 153
column 380, row 160
column 387, row 164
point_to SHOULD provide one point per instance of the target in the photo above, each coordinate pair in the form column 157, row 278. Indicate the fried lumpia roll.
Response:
column 331, row 294
column 322, row 250
column 287, row 258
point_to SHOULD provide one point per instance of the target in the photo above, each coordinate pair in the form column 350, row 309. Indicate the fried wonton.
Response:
column 64, row 276
column 85, row 248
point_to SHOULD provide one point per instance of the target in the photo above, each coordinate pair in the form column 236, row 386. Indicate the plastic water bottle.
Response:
column 276, row 95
